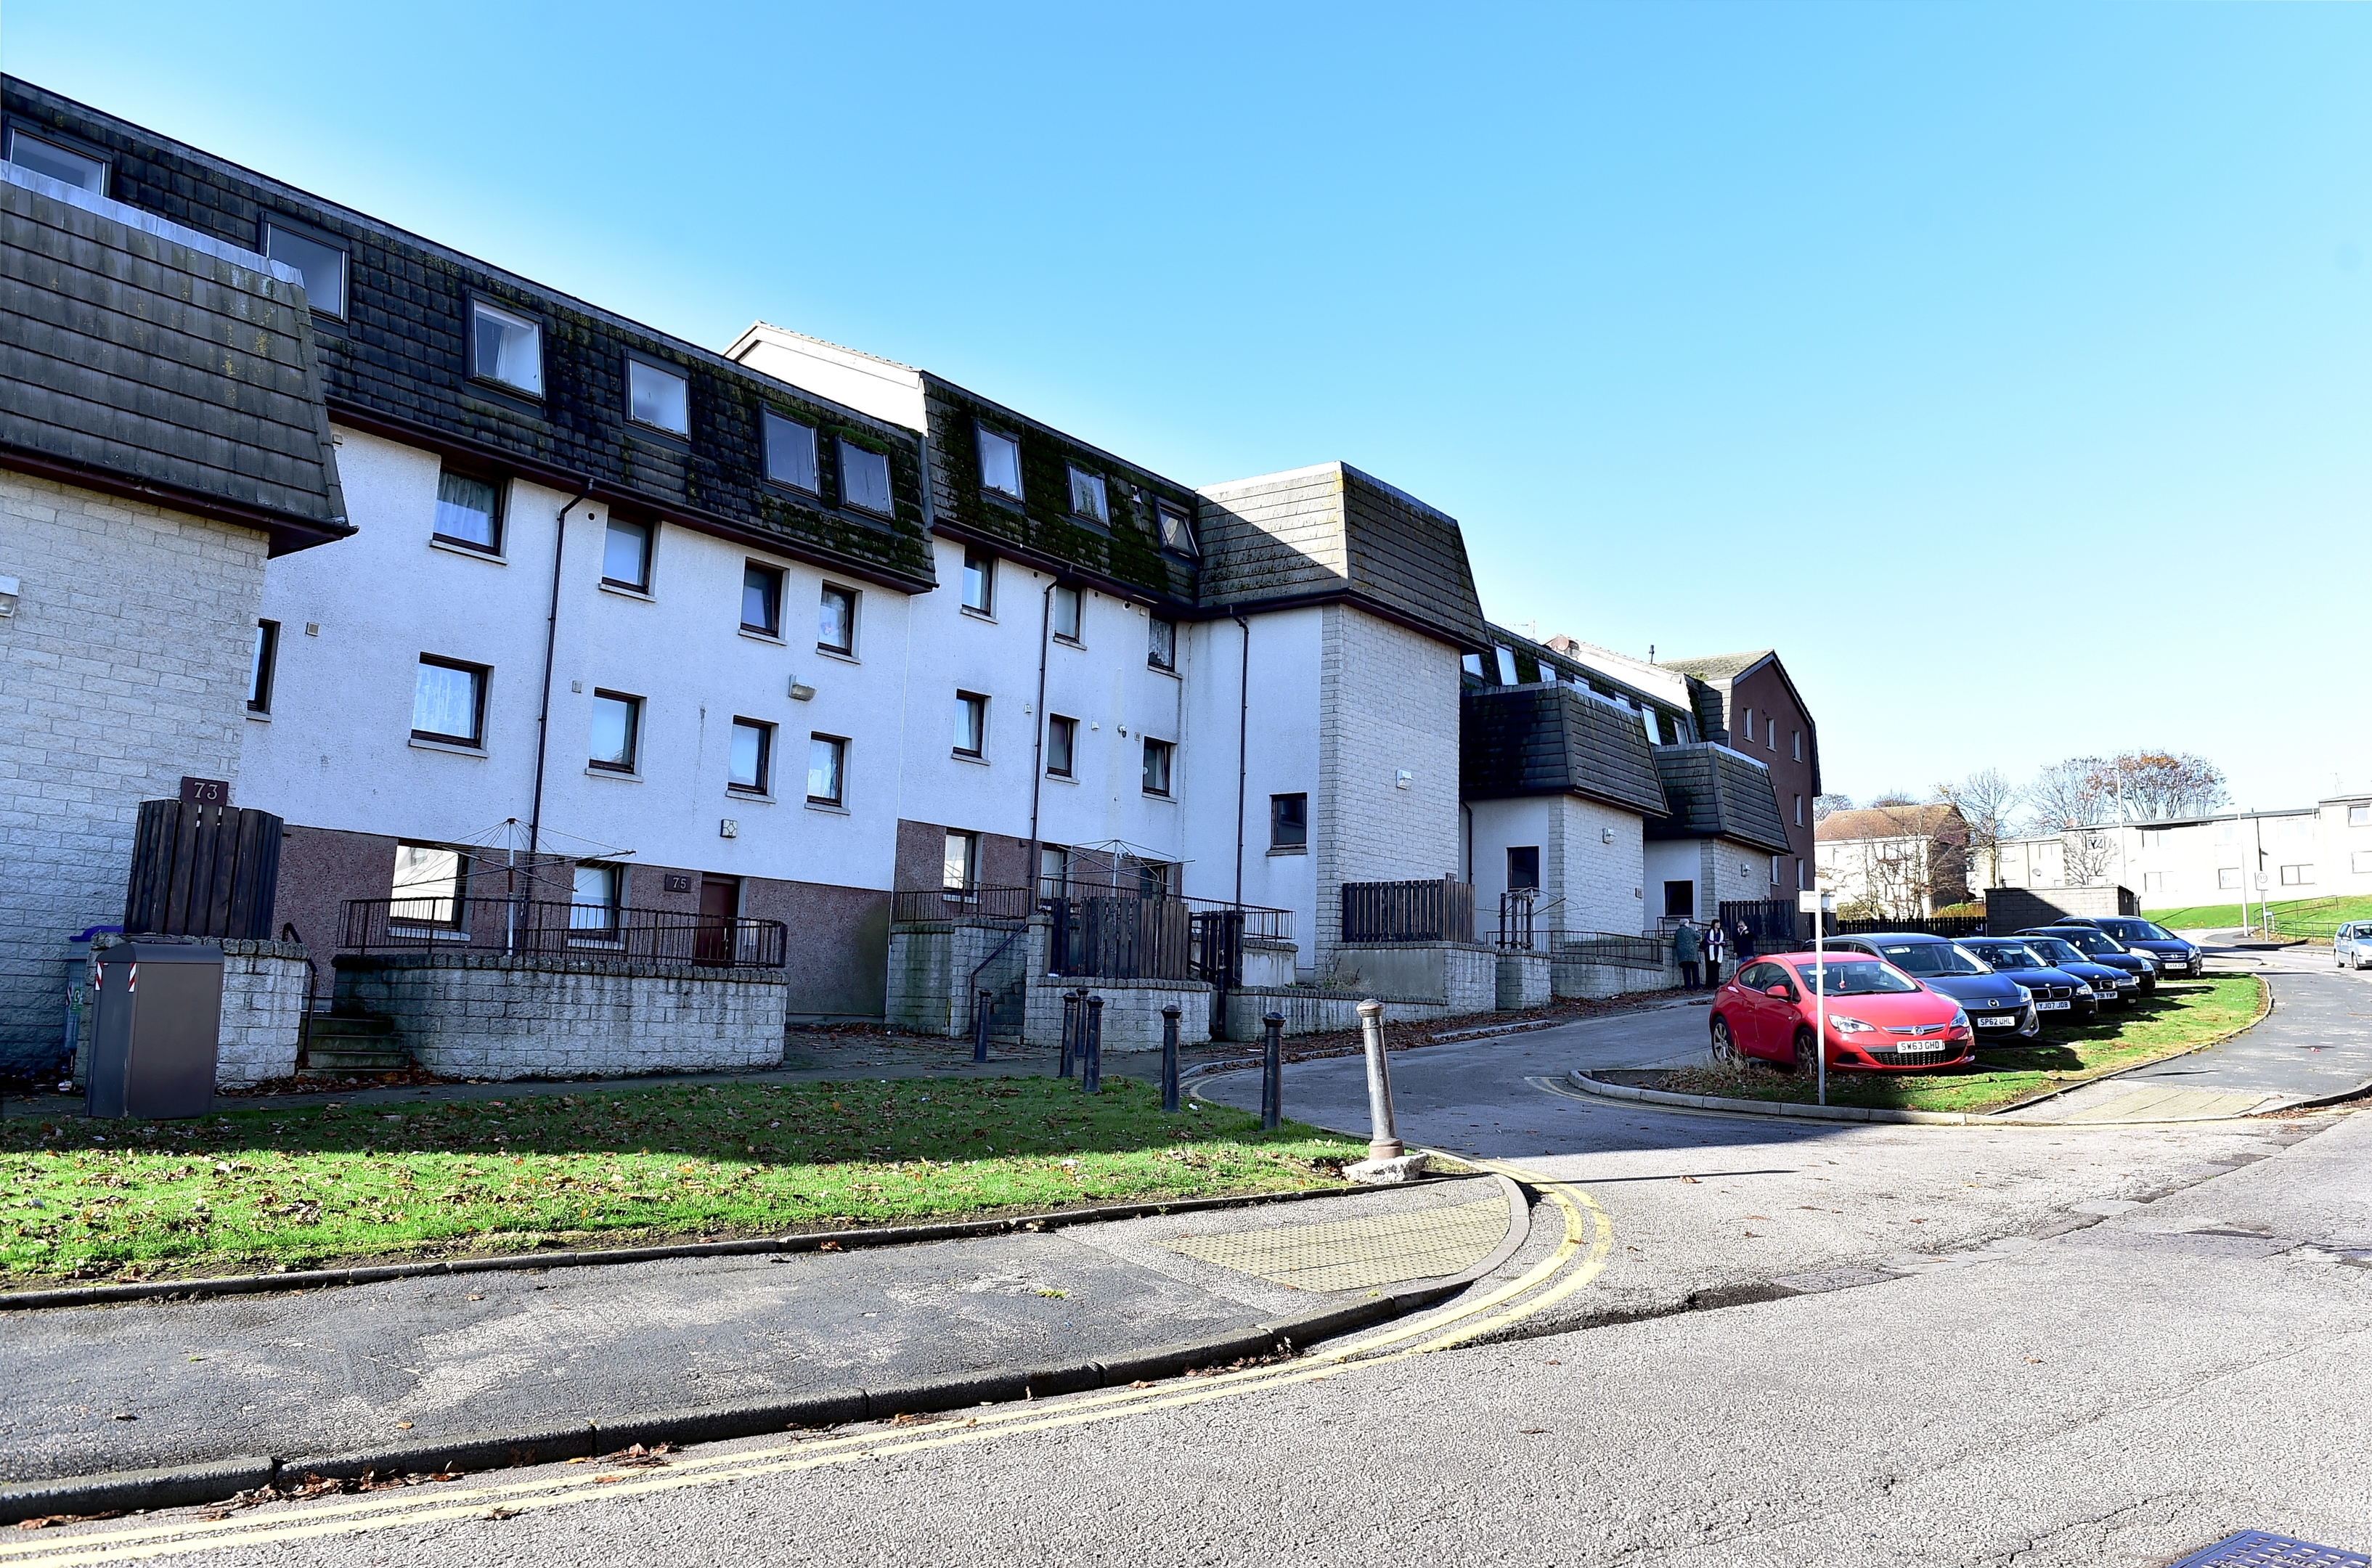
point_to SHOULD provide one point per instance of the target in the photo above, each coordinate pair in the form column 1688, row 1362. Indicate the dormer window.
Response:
column 790, row 453
column 660, row 399
column 1176, row 529
column 864, row 480
column 1088, row 496
column 1000, row 463
column 44, row 157
column 506, row 348
column 322, row 265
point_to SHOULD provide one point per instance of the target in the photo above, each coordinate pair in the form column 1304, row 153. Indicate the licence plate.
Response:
column 1995, row 1023
column 2055, row 1007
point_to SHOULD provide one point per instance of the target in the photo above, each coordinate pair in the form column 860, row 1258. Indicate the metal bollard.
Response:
column 1091, row 1070
column 1072, row 1014
column 979, row 1001
column 1273, row 1073
column 1383, row 1137
column 1169, row 1057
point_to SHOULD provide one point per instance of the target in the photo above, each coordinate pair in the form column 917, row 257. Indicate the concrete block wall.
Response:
column 2012, row 910
column 1133, row 1019
column 1602, row 882
column 1522, row 980
column 487, row 1015
column 930, row 966
column 1312, row 1012
column 1462, row 977
column 1570, row 978
column 1269, row 963
column 123, row 668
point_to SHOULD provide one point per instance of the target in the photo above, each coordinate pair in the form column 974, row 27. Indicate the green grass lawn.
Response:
column 302, row 1187
column 2316, row 918
column 2185, row 1014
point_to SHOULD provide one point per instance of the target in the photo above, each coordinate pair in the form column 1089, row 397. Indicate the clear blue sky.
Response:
column 2006, row 367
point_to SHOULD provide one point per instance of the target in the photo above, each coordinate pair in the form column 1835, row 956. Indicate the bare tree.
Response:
column 2067, row 795
column 1824, row 804
column 1986, row 800
column 2159, row 786
column 2085, row 854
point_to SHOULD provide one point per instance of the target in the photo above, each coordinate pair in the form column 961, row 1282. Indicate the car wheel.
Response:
column 1724, row 1049
column 1805, row 1047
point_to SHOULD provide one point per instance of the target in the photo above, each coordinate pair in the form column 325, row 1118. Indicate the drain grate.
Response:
column 2259, row 1549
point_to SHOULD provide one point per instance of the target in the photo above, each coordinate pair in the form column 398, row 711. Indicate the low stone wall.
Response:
column 1571, row 978
column 490, row 1015
column 1523, row 981
column 2012, row 910
column 1309, row 1011
column 1269, row 962
column 1463, row 975
column 263, row 1010
column 930, row 963
column 1132, row 1011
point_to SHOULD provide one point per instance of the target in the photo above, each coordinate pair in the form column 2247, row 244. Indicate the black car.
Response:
column 2058, row 993
column 2172, row 952
column 2102, row 948
column 2108, row 984
column 1997, row 1004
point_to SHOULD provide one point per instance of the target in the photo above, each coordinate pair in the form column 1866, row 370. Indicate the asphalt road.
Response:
column 1942, row 1345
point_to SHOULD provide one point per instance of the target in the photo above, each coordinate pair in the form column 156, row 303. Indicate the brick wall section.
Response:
column 124, row 668
column 2012, row 910
column 1388, row 701
column 484, row 1016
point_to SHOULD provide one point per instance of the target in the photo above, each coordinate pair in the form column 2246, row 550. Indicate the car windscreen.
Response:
column 1864, row 979
column 1930, row 957
column 2055, row 951
column 2006, row 955
column 2148, row 931
column 2093, row 941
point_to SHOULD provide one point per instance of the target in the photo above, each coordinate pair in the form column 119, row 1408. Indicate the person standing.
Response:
column 1715, row 940
column 1685, row 949
column 1745, row 941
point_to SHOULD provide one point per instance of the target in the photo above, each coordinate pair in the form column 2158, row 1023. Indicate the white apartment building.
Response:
column 2322, row 851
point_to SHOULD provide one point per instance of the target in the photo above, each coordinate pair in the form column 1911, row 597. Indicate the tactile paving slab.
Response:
column 2261, row 1549
column 1351, row 1254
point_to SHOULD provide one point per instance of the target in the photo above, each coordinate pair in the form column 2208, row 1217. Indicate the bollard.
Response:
column 1071, row 1018
column 1091, row 1059
column 1273, row 1073
column 980, row 1025
column 1383, row 1138
column 1169, row 1057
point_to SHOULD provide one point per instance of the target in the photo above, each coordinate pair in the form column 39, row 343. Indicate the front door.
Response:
column 720, row 901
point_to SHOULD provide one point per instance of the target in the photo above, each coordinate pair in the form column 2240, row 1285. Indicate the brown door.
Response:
column 720, row 900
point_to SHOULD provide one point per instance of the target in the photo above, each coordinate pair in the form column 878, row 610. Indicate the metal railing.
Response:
column 1952, row 925
column 1776, row 923
column 1608, row 948
column 527, row 928
column 916, row 905
column 1436, row 909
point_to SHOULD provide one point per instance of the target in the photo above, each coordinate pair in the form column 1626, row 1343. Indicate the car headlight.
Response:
column 1846, row 1026
column 2023, row 994
column 1960, row 1018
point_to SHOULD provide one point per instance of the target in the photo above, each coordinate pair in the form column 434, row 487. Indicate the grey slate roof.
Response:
column 1545, row 739
column 1333, row 532
column 1718, row 667
column 1714, row 793
column 148, row 360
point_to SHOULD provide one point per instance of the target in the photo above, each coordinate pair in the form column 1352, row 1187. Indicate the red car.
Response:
column 1879, row 1017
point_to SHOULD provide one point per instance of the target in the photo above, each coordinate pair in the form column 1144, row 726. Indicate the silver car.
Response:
column 2353, row 946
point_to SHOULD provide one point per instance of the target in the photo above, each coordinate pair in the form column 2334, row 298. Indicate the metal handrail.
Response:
column 522, row 928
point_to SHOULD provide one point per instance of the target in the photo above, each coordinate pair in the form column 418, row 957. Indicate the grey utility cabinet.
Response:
column 158, row 1032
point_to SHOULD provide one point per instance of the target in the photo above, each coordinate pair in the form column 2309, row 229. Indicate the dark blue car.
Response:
column 2173, row 954
column 2060, row 995
column 2102, row 948
column 2109, row 986
column 1997, row 1004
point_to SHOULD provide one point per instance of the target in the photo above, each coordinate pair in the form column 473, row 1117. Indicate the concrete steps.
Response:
column 349, row 1045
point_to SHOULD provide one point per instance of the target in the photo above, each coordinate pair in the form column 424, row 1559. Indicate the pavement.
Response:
column 147, row 1384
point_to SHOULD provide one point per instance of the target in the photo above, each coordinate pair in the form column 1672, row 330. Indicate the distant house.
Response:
column 1894, row 862
column 2313, row 851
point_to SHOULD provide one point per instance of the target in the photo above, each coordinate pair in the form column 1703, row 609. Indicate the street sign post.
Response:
column 1818, row 906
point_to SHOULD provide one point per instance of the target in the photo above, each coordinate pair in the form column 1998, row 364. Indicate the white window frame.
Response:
column 660, row 378
column 487, row 309
column 985, row 434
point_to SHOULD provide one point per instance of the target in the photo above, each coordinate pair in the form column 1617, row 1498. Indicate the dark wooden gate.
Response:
column 203, row 869
column 1123, row 937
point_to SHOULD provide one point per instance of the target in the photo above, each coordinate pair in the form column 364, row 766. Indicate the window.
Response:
column 1000, row 463
column 1156, row 766
column 1798, row 742
column 1506, row 667
column 1061, row 739
column 1679, row 901
column 259, row 666
column 1774, row 870
column 2297, row 875
column 1523, row 866
column 1154, row 879
column 960, row 869
column 1088, row 496
column 1799, row 812
column 594, row 896
column 661, row 398
column 1647, row 716
column 429, row 885
column 2154, row 881
column 470, row 512
column 617, row 719
column 1161, row 642
column 2359, row 816
column 2360, row 863
column 2155, row 838
column 971, row 723
column 626, row 555
column 1054, row 871
column 1771, row 735
column 979, row 581
column 1066, row 612
column 865, row 480
column 1473, row 665
column 323, row 265
column 448, row 701
column 836, row 622
column 761, row 600
column 1289, row 821
column 791, row 453
column 827, row 761
column 506, row 348
column 752, row 763
column 2229, row 877
column 1176, row 530
column 1801, row 885
column 78, row 170
column 1750, row 726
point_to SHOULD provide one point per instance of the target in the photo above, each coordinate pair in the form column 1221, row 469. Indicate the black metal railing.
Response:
column 1952, row 925
column 1776, row 925
column 1437, row 910
column 1607, row 947
column 532, row 929
column 960, row 903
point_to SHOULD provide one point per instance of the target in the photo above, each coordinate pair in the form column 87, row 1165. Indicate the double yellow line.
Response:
column 1579, row 1257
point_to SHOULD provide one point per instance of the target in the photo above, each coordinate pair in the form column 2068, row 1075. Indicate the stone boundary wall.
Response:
column 1312, row 1012
column 930, row 963
column 491, row 1015
column 1132, row 1011
column 1523, row 981
column 1573, row 977
column 263, row 1009
column 2009, row 911
column 1463, row 976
